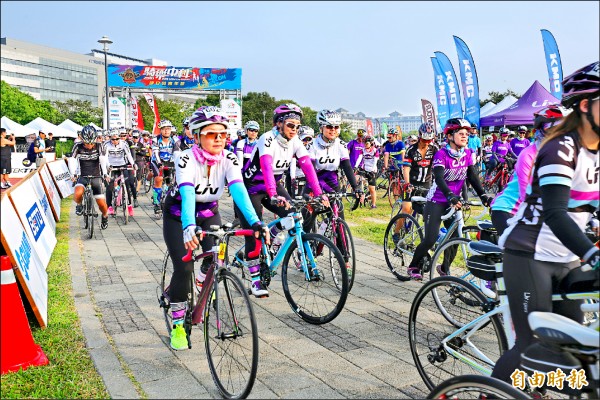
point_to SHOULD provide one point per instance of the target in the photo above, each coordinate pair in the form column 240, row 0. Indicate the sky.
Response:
column 372, row 57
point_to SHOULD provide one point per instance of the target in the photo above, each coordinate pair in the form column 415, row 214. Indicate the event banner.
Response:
column 429, row 113
column 555, row 72
column 42, row 197
column 154, row 107
column 62, row 177
column 468, row 80
column 384, row 129
column 52, row 191
column 452, row 90
column 21, row 166
column 159, row 77
column 234, row 112
column 440, row 90
column 30, row 271
column 369, row 127
column 116, row 108
column 136, row 114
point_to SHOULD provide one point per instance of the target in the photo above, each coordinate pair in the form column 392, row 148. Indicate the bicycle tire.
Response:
column 348, row 253
column 223, row 352
column 124, row 201
column 163, row 296
column 85, row 211
column 147, row 184
column 427, row 328
column 476, row 387
column 90, row 215
column 458, row 265
column 332, row 275
column 396, row 208
column 394, row 187
column 398, row 255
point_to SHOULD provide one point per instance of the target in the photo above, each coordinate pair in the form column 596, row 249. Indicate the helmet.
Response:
column 207, row 115
column 413, row 137
column 252, row 125
column 504, row 131
column 122, row 130
column 581, row 84
column 186, row 121
column 549, row 115
column 488, row 137
column 522, row 128
column 473, row 125
column 164, row 123
column 392, row 131
column 284, row 109
column 174, row 129
column 370, row 139
column 88, row 134
column 426, row 131
column 306, row 131
column 135, row 133
column 360, row 131
column 454, row 124
column 241, row 133
column 328, row 117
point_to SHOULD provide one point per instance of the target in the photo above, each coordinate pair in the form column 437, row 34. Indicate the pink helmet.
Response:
column 284, row 109
column 581, row 84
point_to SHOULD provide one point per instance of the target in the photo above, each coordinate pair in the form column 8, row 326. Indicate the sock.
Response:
column 254, row 269
column 156, row 195
column 178, row 312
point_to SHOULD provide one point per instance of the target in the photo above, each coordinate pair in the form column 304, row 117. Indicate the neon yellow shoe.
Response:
column 179, row 338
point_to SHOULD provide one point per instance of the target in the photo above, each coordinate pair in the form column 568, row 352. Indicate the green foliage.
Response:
column 497, row 97
column 79, row 111
column 173, row 110
column 345, row 133
column 64, row 147
column 211, row 100
column 23, row 108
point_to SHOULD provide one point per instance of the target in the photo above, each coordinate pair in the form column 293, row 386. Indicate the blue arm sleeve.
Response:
column 242, row 200
column 188, row 205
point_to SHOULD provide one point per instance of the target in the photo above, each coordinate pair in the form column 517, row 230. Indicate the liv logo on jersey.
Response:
column 35, row 220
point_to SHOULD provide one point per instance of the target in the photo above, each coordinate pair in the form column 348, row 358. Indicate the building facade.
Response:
column 356, row 121
column 407, row 123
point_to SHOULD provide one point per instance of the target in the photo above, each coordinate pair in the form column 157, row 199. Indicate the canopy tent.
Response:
column 503, row 105
column 521, row 112
column 484, row 110
column 40, row 124
column 70, row 126
column 16, row 128
column 96, row 127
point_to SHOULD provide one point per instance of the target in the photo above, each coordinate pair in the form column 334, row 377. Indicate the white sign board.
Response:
column 31, row 272
column 234, row 112
column 116, row 109
column 21, row 166
column 32, row 216
column 42, row 198
column 51, row 190
column 62, row 177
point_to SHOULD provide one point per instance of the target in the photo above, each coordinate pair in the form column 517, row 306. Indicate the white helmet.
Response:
column 328, row 117
column 252, row 125
column 306, row 132
column 164, row 123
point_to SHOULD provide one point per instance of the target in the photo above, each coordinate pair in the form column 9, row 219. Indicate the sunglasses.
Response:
column 252, row 130
column 115, row 138
column 292, row 126
column 218, row 133
column 332, row 127
column 306, row 140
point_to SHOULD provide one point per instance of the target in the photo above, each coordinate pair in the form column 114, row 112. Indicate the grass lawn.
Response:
column 70, row 373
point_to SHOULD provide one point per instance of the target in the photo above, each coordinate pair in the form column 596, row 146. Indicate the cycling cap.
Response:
column 164, row 124
column 207, row 115
column 306, row 131
column 581, row 84
column 88, row 134
column 281, row 111
column 455, row 124
column 252, row 125
column 328, row 117
column 426, row 131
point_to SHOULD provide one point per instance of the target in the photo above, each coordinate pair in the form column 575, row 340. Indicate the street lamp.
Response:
column 105, row 41
column 264, row 120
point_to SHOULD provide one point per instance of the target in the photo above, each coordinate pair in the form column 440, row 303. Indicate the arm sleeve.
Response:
column 359, row 160
column 103, row 159
column 242, row 200
column 128, row 154
column 310, row 174
column 239, row 150
column 438, row 175
column 188, row 205
column 473, row 179
column 74, row 166
column 347, row 168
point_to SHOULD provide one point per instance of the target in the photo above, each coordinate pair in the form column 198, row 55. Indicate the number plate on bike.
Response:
column 222, row 248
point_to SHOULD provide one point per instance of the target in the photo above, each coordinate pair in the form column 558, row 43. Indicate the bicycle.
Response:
column 168, row 184
column 361, row 185
column 145, row 174
column 89, row 206
column 316, row 293
column 396, row 183
column 120, row 194
column 501, row 177
column 224, row 309
column 454, row 329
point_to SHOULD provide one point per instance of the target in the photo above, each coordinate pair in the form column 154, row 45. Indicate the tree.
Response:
column 345, row 133
column 497, row 97
column 79, row 111
column 211, row 100
column 23, row 108
column 173, row 110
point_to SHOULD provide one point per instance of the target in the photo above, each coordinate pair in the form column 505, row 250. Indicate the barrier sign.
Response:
column 30, row 270
column 51, row 190
column 42, row 197
column 62, row 177
column 21, row 166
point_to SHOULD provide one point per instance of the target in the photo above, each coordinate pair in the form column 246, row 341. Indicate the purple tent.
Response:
column 521, row 112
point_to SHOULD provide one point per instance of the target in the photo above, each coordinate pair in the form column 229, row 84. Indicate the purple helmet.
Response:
column 284, row 109
column 581, row 84
column 207, row 115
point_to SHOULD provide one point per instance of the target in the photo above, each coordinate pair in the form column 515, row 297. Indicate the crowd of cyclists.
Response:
column 539, row 214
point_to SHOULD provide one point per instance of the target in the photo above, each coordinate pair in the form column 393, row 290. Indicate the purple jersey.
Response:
column 355, row 149
column 500, row 148
column 518, row 146
column 455, row 173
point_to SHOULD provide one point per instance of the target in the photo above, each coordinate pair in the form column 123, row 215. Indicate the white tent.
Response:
column 96, row 127
column 488, row 106
column 40, row 124
column 503, row 105
column 16, row 128
column 70, row 126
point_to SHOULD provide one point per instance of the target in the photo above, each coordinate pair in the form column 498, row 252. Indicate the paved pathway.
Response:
column 363, row 353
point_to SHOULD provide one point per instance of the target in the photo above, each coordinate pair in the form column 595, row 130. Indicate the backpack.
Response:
column 31, row 155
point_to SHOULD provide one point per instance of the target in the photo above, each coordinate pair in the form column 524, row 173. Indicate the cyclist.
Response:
column 329, row 154
column 417, row 171
column 474, row 143
column 245, row 145
column 499, row 150
column 202, row 173
column 452, row 165
column 545, row 239
column 411, row 141
column 139, row 152
column 356, row 147
column 91, row 156
column 507, row 202
column 368, row 163
column 186, row 140
column 393, row 152
column 297, row 179
column 119, row 156
column 163, row 155
column 270, row 158
column 519, row 144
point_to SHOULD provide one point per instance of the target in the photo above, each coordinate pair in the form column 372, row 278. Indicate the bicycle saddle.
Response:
column 556, row 329
column 486, row 226
column 418, row 199
column 485, row 248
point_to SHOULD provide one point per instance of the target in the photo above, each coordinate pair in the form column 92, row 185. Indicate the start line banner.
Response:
column 157, row 77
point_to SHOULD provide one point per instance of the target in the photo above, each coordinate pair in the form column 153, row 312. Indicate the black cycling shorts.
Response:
column 97, row 186
column 371, row 177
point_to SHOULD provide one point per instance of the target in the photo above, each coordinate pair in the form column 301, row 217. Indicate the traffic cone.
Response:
column 17, row 348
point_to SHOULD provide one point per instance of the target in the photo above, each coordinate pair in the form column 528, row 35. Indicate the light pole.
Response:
column 105, row 41
column 264, row 120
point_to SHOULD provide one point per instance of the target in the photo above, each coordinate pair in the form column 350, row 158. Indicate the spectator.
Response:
column 7, row 142
column 50, row 143
column 39, row 147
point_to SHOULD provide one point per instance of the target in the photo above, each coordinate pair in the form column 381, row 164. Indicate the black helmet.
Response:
column 88, row 134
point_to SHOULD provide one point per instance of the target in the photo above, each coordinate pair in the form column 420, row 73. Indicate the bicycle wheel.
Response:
column 396, row 208
column 345, row 245
column 124, row 202
column 89, row 215
column 163, row 291
column 231, row 337
column 473, row 351
column 86, row 214
column 399, row 248
column 476, row 387
column 320, row 299
column 451, row 257
column 147, row 183
column 394, row 192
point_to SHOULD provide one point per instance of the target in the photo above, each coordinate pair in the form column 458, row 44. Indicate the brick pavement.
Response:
column 363, row 353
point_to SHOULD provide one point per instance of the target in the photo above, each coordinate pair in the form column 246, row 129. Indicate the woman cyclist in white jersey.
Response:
column 244, row 146
column 201, row 174
column 545, row 239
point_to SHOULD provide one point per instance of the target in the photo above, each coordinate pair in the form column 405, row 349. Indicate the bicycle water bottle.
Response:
column 441, row 235
column 117, row 188
column 322, row 228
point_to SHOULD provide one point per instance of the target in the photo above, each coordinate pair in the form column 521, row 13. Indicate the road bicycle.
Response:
column 455, row 330
column 497, row 182
column 120, row 194
column 89, row 206
column 146, row 175
column 314, row 277
column 168, row 184
column 396, row 183
column 225, row 312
